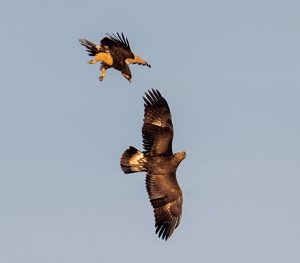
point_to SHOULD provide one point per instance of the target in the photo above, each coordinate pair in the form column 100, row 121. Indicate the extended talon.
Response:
column 103, row 72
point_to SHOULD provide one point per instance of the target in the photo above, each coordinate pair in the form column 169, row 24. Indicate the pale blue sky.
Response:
column 230, row 72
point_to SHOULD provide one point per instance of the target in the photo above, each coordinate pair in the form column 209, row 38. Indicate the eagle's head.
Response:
column 180, row 156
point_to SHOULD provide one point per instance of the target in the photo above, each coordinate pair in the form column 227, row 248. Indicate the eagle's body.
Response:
column 113, row 52
column 159, row 162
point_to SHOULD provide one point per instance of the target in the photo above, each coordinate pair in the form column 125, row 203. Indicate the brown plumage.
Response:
column 113, row 52
column 159, row 162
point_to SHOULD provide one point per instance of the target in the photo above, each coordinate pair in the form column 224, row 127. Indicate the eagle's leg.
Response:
column 103, row 72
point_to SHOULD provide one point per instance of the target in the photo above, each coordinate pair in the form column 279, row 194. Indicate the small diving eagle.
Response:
column 113, row 52
column 159, row 162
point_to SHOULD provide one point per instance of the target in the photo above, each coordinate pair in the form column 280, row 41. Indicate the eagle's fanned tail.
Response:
column 133, row 161
column 92, row 48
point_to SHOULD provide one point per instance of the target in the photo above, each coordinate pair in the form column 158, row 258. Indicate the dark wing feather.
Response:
column 157, row 128
column 118, row 40
column 166, row 198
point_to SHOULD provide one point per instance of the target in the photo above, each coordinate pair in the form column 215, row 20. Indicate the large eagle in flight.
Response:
column 113, row 52
column 159, row 162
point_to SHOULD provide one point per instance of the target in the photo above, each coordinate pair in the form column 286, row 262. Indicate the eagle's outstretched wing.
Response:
column 118, row 40
column 166, row 198
column 157, row 128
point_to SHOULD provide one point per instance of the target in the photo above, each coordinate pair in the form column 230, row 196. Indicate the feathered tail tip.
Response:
column 133, row 161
